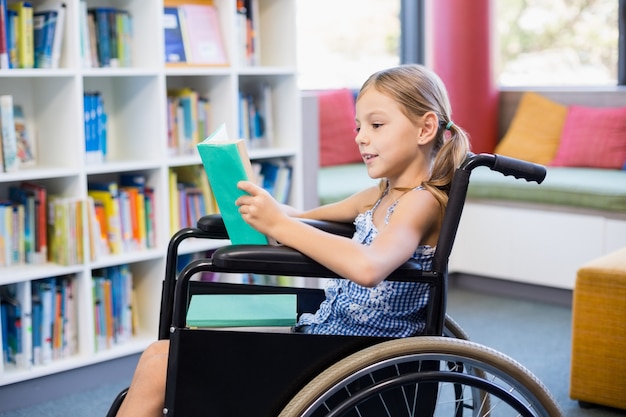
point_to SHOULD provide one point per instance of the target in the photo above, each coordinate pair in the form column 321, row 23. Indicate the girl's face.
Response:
column 387, row 139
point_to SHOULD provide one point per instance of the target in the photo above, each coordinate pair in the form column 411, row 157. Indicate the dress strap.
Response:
column 385, row 192
column 392, row 207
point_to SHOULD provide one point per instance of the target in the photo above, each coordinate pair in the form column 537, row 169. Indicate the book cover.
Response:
column 242, row 310
column 44, row 24
column 25, row 44
column 202, row 26
column 26, row 148
column 174, row 43
column 9, row 139
column 226, row 162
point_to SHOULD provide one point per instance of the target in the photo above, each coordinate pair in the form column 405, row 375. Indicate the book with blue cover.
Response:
column 44, row 26
column 174, row 43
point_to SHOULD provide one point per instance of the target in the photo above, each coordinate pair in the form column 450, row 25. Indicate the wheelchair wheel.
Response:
column 452, row 329
column 389, row 379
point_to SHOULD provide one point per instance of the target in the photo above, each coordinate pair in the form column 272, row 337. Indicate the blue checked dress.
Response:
column 390, row 309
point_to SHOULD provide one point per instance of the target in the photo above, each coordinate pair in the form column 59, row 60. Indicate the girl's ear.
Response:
column 430, row 126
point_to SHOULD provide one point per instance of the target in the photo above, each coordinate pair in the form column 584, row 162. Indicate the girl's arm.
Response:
column 342, row 211
column 365, row 265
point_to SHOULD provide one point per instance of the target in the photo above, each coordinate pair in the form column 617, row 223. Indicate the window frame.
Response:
column 412, row 35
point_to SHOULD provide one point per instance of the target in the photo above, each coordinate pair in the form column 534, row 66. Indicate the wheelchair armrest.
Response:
column 213, row 225
column 283, row 260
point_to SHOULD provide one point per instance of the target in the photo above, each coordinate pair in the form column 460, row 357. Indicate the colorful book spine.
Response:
column 11, row 23
column 4, row 48
column 25, row 42
column 108, row 194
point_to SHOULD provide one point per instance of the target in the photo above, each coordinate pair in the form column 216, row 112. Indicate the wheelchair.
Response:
column 256, row 374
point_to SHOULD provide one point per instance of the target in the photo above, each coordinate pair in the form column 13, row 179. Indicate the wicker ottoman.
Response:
column 598, row 371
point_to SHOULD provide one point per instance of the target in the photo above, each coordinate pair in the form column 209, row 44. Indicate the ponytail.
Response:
column 450, row 150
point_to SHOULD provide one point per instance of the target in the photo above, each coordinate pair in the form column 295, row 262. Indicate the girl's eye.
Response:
column 376, row 125
column 357, row 129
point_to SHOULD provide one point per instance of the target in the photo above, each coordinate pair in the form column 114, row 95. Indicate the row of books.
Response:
column 248, row 29
column 31, row 37
column 191, row 196
column 24, row 225
column 106, row 37
column 113, row 306
column 65, row 230
column 36, row 227
column 275, row 176
column 188, row 120
column 256, row 118
column 95, row 127
column 193, row 35
column 17, row 145
column 121, row 216
column 39, row 327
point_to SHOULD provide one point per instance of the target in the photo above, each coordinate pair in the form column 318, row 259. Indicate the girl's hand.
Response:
column 259, row 209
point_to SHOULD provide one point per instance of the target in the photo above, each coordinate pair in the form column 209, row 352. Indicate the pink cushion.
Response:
column 336, row 125
column 593, row 137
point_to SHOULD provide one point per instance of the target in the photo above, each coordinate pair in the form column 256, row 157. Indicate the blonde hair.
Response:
column 418, row 90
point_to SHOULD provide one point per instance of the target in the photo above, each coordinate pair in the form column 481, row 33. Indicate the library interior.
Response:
column 126, row 125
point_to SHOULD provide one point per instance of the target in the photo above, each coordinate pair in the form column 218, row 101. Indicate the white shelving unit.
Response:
column 135, row 101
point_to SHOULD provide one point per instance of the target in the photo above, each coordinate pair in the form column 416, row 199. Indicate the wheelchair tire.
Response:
column 361, row 385
column 452, row 329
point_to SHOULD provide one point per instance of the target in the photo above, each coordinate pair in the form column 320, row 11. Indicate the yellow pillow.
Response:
column 535, row 131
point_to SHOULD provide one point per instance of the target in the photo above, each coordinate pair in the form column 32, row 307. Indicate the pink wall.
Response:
column 461, row 51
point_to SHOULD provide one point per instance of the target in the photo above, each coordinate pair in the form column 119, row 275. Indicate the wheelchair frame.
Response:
column 201, row 377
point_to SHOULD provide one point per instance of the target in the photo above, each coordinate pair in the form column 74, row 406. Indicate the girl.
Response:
column 407, row 139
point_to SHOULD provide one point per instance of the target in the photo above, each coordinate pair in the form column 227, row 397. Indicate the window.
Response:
column 556, row 43
column 341, row 43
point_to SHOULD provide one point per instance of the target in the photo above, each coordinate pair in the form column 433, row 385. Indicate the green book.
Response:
column 226, row 162
column 242, row 310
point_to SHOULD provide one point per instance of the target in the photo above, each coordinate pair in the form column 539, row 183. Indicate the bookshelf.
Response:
column 135, row 101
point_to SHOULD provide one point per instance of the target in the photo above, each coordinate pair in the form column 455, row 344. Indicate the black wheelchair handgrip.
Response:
column 283, row 260
column 506, row 165
column 213, row 225
column 519, row 168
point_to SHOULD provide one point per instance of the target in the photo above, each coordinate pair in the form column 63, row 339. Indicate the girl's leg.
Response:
column 146, row 394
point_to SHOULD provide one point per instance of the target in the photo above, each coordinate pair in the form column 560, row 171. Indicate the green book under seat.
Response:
column 242, row 310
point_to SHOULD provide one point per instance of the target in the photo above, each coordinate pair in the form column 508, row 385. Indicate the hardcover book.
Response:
column 9, row 139
column 202, row 26
column 25, row 43
column 242, row 310
column 174, row 44
column 226, row 162
column 44, row 26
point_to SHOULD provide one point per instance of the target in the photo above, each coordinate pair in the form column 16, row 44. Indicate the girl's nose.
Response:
column 360, row 138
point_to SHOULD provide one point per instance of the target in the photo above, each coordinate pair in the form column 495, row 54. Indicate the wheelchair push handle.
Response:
column 507, row 166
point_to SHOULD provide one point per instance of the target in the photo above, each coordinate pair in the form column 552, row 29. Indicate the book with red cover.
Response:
column 201, row 25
